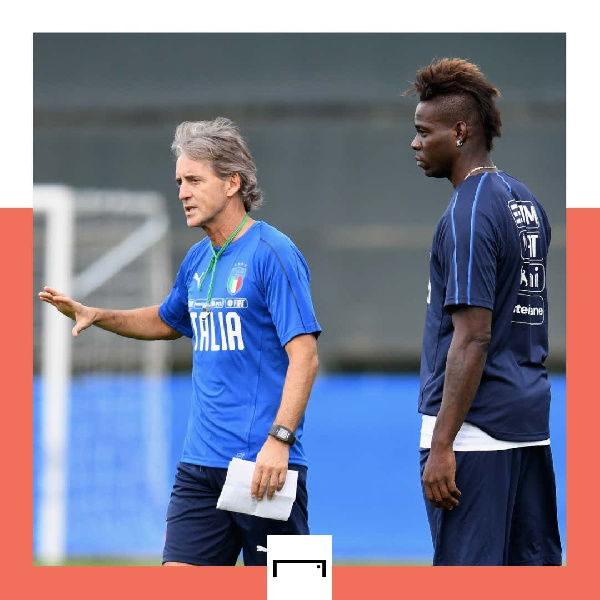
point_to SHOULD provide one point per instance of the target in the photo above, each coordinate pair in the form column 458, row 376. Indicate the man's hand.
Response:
column 84, row 316
column 438, row 479
column 271, row 468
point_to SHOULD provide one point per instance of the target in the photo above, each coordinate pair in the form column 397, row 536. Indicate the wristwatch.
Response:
column 283, row 434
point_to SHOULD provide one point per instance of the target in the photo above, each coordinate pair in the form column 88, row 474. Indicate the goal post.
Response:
column 56, row 203
column 113, row 245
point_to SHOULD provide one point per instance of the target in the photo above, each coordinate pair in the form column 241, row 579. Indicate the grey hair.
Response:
column 220, row 144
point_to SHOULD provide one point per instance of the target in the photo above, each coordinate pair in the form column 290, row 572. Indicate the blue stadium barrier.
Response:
column 361, row 438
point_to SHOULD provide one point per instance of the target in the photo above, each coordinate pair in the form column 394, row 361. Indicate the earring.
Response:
column 459, row 143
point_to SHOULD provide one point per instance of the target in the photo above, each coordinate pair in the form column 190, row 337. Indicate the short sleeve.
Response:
column 286, row 281
column 174, row 310
column 470, row 251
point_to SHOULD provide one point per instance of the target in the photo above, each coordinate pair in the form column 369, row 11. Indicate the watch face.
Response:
column 283, row 434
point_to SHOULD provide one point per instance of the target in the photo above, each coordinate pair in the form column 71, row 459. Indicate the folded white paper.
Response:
column 235, row 495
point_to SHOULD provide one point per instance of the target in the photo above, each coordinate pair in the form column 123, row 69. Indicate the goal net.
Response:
column 101, row 415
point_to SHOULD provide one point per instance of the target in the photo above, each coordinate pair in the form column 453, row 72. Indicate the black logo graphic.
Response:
column 321, row 564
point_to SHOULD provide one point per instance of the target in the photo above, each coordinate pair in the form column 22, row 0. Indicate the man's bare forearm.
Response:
column 272, row 460
column 299, row 380
column 140, row 323
column 464, row 367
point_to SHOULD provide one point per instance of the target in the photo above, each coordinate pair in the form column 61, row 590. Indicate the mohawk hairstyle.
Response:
column 458, row 77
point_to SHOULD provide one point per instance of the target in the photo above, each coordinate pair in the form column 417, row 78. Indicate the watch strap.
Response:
column 283, row 434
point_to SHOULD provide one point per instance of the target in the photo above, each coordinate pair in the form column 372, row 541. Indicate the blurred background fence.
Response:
column 330, row 134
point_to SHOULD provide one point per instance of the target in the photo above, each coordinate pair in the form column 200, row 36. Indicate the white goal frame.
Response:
column 58, row 204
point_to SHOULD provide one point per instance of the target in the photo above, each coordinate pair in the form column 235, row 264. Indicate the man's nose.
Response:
column 184, row 191
column 415, row 144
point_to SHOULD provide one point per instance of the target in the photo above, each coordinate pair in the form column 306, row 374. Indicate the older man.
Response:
column 242, row 294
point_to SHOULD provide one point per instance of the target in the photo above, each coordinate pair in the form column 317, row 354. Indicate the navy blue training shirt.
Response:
column 489, row 250
column 261, row 300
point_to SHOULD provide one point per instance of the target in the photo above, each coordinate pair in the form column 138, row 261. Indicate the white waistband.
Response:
column 471, row 438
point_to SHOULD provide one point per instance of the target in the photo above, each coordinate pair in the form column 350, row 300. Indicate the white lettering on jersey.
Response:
column 222, row 327
column 213, row 342
column 532, row 239
column 203, row 333
column 529, row 310
column 234, row 330
column 533, row 277
column 524, row 214
column 193, row 317
column 429, row 285
column 209, row 337
column 529, row 215
column 529, row 245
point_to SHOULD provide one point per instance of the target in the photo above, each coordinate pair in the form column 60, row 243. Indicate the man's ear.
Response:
column 234, row 184
column 461, row 132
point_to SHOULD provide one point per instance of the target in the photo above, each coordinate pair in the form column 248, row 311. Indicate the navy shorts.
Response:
column 199, row 534
column 506, row 513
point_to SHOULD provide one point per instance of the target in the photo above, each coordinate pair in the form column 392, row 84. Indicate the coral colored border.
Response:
column 22, row 580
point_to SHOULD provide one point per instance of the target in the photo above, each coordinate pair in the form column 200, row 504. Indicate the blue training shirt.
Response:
column 260, row 301
column 489, row 250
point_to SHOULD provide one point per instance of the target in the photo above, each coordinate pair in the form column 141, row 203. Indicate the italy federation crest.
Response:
column 236, row 280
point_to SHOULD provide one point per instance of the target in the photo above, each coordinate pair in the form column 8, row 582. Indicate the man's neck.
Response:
column 219, row 232
column 469, row 165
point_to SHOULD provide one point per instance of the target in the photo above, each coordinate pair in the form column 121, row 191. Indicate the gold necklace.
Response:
column 477, row 169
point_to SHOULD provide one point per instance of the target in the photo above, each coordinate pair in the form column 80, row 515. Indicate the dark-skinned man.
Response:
column 486, row 465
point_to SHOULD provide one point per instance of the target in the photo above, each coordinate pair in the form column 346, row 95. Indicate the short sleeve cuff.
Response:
column 171, row 321
column 314, row 328
column 483, row 303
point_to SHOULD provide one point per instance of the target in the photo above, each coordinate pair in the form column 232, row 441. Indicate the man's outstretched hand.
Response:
column 84, row 316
